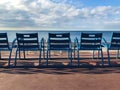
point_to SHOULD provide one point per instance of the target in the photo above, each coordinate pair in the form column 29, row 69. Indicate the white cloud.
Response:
column 49, row 14
column 9, row 1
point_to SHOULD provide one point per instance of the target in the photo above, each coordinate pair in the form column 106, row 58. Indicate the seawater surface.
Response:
column 73, row 34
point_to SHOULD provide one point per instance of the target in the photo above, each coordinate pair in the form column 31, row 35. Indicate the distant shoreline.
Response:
column 73, row 33
column 60, row 30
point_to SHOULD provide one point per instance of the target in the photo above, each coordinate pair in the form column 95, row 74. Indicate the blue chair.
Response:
column 5, row 45
column 28, row 42
column 113, row 45
column 59, row 42
column 89, row 41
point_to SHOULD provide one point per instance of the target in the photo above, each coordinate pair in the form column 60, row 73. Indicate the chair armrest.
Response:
column 13, row 43
column 70, row 44
column 48, row 44
column 76, row 43
column 105, row 43
column 42, row 43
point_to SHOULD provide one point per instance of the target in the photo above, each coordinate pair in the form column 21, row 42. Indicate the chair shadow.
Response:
column 59, row 62
column 3, row 64
column 60, row 71
column 57, row 67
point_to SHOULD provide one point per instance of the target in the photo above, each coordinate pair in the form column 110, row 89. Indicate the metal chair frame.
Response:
column 6, row 46
column 89, row 41
column 113, row 45
column 28, row 42
column 59, row 42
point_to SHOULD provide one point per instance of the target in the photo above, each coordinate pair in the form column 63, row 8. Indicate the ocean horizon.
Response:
column 44, row 34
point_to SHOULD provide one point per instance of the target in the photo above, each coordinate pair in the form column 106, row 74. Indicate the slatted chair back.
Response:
column 4, row 44
column 115, row 42
column 59, row 41
column 91, row 41
column 27, row 41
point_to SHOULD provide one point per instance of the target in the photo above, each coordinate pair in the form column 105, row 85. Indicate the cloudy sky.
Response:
column 60, row 14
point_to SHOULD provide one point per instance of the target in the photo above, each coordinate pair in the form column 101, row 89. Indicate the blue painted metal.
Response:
column 28, row 42
column 5, row 45
column 89, row 41
column 59, row 42
column 113, row 45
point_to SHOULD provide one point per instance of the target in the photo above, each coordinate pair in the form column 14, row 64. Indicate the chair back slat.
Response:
column 27, row 40
column 28, row 46
column 91, row 35
column 3, row 35
column 91, row 40
column 115, row 42
column 90, row 46
column 27, row 35
column 59, row 46
column 4, row 41
column 59, row 35
column 116, row 34
column 59, row 40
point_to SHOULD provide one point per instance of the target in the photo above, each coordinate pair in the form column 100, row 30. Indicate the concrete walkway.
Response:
column 60, row 79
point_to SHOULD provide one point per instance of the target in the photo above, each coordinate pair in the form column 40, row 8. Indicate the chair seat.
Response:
column 89, row 48
column 29, row 49
column 5, row 49
column 114, row 48
column 64, row 49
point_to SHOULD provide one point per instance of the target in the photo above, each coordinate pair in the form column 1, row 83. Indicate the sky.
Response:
column 60, row 15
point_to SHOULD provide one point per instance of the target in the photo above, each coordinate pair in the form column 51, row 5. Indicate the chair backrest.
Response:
column 4, row 44
column 27, row 40
column 91, row 40
column 115, row 42
column 59, row 41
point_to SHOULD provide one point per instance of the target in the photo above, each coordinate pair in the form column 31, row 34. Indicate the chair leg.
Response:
column 78, row 58
column 93, row 55
column 108, row 57
column 0, row 54
column 74, row 53
column 117, row 55
column 71, row 57
column 19, row 55
column 39, row 57
column 47, row 58
column 9, row 58
column 102, row 57
column 98, row 54
column 43, row 53
column 24, row 54
column 49, row 54
column 16, row 58
column 43, row 48
column 68, row 54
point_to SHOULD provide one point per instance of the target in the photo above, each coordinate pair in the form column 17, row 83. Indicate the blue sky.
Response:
column 101, row 2
column 60, row 15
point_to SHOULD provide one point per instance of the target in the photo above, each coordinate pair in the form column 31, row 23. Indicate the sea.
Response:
column 44, row 34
